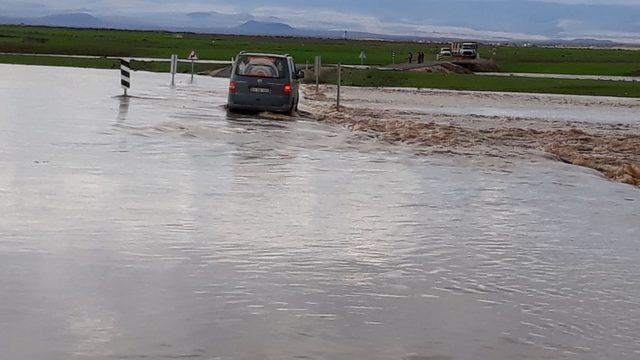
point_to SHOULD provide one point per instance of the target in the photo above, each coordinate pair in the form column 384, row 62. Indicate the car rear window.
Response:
column 261, row 66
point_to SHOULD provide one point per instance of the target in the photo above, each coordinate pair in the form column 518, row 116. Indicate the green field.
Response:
column 567, row 61
column 158, row 44
column 33, row 40
column 26, row 39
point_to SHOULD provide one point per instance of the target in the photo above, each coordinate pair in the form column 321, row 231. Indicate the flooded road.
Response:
column 158, row 227
column 487, row 105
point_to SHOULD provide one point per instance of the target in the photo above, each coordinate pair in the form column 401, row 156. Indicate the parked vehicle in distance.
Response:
column 264, row 82
column 467, row 50
column 445, row 52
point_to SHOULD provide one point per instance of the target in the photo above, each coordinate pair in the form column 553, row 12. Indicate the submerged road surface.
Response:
column 159, row 227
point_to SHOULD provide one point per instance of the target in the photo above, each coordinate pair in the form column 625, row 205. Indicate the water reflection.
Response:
column 123, row 109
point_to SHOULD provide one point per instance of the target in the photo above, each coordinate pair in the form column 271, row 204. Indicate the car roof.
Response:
column 264, row 54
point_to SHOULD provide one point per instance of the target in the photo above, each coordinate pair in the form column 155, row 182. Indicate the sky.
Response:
column 518, row 19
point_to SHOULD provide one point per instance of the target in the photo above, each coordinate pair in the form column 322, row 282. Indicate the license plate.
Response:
column 260, row 90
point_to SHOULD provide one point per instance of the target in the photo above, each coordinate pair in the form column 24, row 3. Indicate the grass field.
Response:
column 158, row 44
column 567, row 61
column 26, row 39
column 20, row 39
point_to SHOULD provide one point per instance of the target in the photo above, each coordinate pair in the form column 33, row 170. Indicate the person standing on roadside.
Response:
column 410, row 57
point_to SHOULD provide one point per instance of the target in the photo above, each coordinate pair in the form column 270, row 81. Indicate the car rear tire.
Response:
column 293, row 109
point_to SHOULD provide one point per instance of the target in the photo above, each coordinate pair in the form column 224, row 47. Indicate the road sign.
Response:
column 193, row 56
column 363, row 57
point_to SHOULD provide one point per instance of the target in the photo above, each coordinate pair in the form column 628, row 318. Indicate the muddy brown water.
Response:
column 159, row 227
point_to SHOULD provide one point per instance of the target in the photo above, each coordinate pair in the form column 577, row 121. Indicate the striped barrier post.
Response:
column 125, row 75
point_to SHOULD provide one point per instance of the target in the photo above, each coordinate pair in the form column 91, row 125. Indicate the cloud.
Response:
column 484, row 19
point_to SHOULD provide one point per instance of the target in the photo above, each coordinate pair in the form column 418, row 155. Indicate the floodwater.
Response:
column 543, row 107
column 158, row 227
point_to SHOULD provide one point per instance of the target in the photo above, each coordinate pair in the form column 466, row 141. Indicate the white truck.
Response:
column 467, row 50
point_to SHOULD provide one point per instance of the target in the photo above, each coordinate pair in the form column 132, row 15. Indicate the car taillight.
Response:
column 232, row 87
column 287, row 89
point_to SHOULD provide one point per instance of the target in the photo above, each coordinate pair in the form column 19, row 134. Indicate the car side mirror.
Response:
column 300, row 74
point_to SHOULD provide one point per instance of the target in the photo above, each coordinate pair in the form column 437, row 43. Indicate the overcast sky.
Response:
column 525, row 19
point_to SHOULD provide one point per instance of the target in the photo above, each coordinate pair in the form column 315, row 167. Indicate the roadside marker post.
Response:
column 125, row 75
column 339, row 84
column 193, row 56
column 174, row 68
column 318, row 67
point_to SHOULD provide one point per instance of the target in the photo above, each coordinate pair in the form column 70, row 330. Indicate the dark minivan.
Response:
column 264, row 82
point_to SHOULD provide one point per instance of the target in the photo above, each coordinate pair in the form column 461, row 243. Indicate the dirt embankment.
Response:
column 443, row 68
column 449, row 67
column 614, row 150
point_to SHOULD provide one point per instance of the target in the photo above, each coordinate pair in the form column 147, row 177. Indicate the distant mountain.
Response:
column 589, row 42
column 254, row 27
column 82, row 20
column 12, row 20
column 73, row 19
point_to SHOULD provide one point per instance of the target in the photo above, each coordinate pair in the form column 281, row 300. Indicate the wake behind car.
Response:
column 264, row 82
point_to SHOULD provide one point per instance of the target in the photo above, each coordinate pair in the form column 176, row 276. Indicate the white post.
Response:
column 192, row 69
column 174, row 68
column 339, row 83
column 317, row 71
